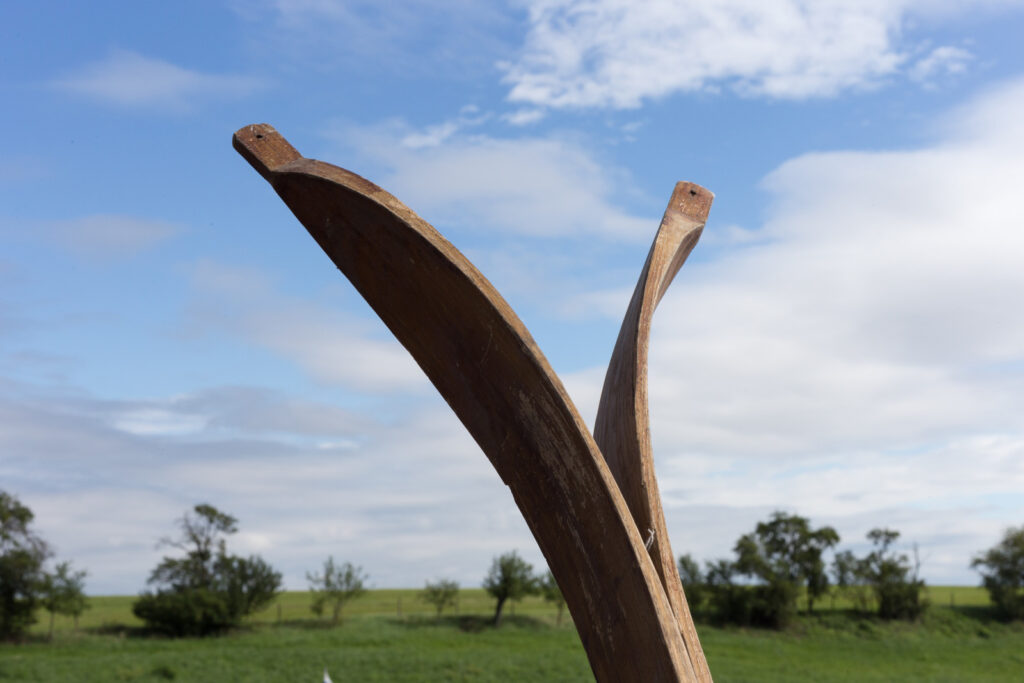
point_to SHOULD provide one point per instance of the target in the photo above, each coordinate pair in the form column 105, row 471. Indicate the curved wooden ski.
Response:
column 483, row 361
column 622, row 430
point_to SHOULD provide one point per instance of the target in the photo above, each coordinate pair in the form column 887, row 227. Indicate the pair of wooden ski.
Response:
column 592, row 502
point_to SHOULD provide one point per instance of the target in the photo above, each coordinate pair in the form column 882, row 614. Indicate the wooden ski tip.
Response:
column 264, row 148
column 692, row 200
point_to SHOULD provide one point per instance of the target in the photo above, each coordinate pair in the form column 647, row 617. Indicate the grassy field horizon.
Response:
column 112, row 610
column 377, row 642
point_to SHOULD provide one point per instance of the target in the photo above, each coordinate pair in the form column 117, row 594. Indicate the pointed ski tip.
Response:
column 264, row 148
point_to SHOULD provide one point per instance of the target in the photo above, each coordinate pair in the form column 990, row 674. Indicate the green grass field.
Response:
column 959, row 643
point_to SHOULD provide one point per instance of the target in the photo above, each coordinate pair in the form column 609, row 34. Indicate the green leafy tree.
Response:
column 785, row 553
column 442, row 593
column 1002, row 573
column 337, row 585
column 510, row 578
column 63, row 592
column 551, row 592
column 892, row 578
column 207, row 590
column 694, row 585
column 22, row 554
column 847, row 576
column 730, row 602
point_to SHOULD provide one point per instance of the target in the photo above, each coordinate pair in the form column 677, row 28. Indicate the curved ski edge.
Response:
column 483, row 361
column 622, row 429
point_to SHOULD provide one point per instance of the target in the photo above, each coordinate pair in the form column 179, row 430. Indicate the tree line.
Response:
column 783, row 559
column 204, row 589
column 25, row 584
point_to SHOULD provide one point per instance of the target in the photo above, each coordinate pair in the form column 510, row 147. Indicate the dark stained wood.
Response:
column 486, row 365
column 622, row 430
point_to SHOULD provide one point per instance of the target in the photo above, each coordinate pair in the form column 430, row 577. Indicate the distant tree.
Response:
column 551, row 592
column 1002, row 572
column 336, row 586
column 694, row 585
column 63, row 592
column 847, row 575
column 730, row 602
column 440, row 594
column 207, row 590
column 22, row 554
column 510, row 578
column 785, row 553
column 892, row 578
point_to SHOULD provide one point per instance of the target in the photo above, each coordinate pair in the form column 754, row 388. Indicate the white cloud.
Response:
column 862, row 359
column 433, row 136
column 154, row 421
column 129, row 79
column 940, row 62
column 524, row 117
column 394, row 500
column 450, row 38
column 105, row 237
column 333, row 347
column 613, row 53
column 540, row 187
column 874, row 310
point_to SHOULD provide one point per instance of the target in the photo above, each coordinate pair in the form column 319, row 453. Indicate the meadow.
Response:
column 390, row 635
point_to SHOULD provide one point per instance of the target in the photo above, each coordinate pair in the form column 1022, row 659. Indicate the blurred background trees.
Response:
column 335, row 586
column 1002, row 573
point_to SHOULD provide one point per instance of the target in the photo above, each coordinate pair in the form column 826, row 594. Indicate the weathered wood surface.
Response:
column 485, row 364
column 622, row 430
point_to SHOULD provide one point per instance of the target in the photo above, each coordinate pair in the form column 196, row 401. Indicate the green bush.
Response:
column 892, row 578
column 1002, row 572
column 22, row 554
column 694, row 586
column 206, row 591
column 187, row 612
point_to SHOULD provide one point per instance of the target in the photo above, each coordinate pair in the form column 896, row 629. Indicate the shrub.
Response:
column 1002, row 572
column 510, row 578
column 336, row 586
column 22, row 554
column 694, row 586
column 440, row 594
column 893, row 580
column 208, row 590
column 552, row 593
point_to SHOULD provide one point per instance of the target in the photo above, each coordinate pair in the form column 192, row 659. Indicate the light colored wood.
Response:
column 622, row 430
column 485, row 364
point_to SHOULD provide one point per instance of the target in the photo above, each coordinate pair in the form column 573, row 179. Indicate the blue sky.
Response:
column 846, row 342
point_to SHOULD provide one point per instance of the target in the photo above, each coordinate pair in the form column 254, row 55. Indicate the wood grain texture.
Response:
column 622, row 430
column 482, row 360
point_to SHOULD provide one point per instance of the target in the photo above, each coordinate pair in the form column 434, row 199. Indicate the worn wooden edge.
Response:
column 622, row 429
column 483, row 361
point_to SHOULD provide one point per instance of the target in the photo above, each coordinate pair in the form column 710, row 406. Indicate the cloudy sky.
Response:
column 845, row 343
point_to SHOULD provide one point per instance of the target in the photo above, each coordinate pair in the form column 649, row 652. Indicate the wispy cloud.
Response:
column 864, row 355
column 129, row 79
column 392, row 500
column 874, row 309
column 108, row 236
column 942, row 61
column 607, row 53
column 332, row 347
column 432, row 136
column 447, row 38
column 536, row 186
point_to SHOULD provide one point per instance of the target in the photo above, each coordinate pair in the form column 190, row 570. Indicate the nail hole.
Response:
column 693, row 193
column 259, row 136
